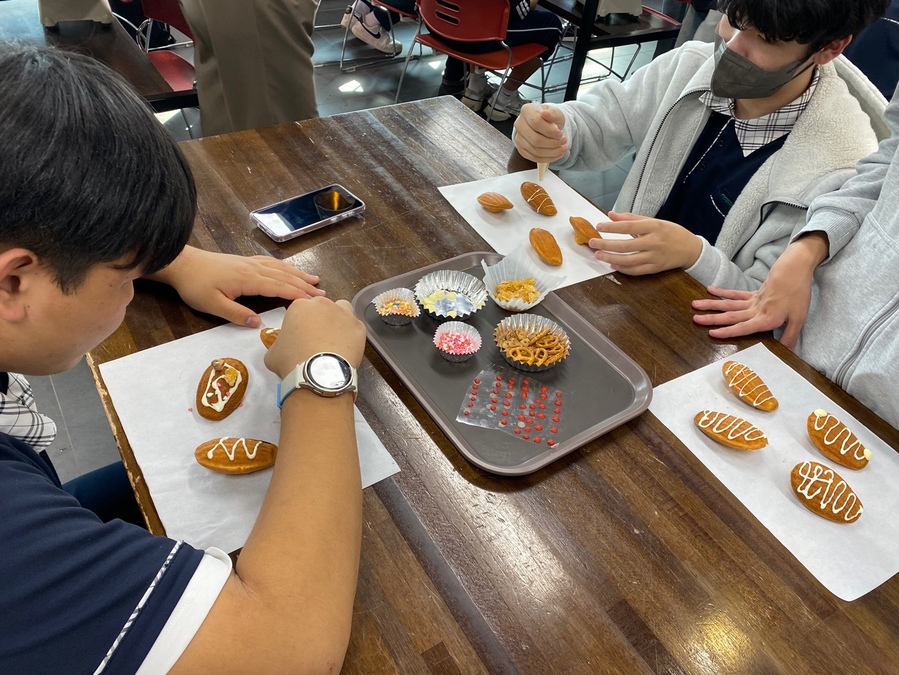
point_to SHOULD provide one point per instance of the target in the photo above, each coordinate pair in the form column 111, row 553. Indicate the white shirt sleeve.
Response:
column 190, row 612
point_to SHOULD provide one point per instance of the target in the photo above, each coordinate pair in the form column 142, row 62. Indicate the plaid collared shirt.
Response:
column 18, row 416
column 755, row 133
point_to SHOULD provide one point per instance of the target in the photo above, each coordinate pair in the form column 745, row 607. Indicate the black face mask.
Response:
column 738, row 77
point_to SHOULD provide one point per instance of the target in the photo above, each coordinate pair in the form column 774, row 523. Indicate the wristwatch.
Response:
column 325, row 373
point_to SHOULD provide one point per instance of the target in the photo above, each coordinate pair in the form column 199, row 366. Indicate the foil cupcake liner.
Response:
column 457, row 328
column 531, row 324
column 449, row 294
column 514, row 268
column 390, row 305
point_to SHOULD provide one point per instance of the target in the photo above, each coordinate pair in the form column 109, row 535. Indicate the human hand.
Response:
column 782, row 300
column 312, row 326
column 657, row 245
column 538, row 133
column 210, row 282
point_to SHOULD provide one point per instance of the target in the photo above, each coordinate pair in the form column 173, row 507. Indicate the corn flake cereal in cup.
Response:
column 457, row 341
column 397, row 306
column 517, row 285
column 449, row 294
column 531, row 343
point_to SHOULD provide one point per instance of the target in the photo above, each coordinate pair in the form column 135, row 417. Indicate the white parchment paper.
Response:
column 848, row 559
column 154, row 394
column 508, row 230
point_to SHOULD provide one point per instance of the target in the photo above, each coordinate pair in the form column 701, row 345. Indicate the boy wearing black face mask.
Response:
column 732, row 140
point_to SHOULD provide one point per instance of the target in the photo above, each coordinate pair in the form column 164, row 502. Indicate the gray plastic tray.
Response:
column 602, row 387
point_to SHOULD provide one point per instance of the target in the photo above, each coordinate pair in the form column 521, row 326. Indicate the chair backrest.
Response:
column 168, row 12
column 466, row 20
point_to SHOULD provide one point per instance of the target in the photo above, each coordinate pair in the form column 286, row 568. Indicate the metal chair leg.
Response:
column 403, row 74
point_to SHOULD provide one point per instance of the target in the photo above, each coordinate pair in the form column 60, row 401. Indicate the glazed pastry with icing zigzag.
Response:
column 236, row 455
column 834, row 440
column 748, row 386
column 822, row 491
column 730, row 430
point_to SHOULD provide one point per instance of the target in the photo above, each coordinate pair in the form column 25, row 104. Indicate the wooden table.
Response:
column 626, row 556
column 593, row 33
column 19, row 20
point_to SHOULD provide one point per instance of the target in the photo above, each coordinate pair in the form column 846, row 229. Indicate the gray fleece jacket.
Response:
column 658, row 111
column 852, row 332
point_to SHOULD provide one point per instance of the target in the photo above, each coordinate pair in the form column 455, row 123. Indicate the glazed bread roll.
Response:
column 730, row 430
column 268, row 336
column 494, row 202
column 748, row 386
column 546, row 246
column 538, row 199
column 834, row 440
column 221, row 388
column 236, row 455
column 821, row 490
column 583, row 230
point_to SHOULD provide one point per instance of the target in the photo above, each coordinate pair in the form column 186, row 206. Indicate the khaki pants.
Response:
column 253, row 60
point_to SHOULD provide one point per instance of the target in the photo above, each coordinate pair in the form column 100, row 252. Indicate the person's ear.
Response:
column 831, row 50
column 17, row 267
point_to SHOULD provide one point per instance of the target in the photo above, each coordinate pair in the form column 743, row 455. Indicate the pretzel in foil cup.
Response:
column 530, row 342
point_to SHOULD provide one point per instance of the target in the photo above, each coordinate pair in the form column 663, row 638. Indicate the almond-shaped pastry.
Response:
column 230, row 454
column 821, row 490
column 221, row 388
column 583, row 230
column 537, row 199
column 268, row 336
column 836, row 442
column 546, row 246
column 730, row 430
column 748, row 386
column 494, row 202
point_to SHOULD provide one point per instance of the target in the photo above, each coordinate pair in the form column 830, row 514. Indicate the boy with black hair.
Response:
column 732, row 140
column 81, row 595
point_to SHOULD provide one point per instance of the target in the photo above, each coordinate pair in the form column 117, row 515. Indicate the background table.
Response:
column 19, row 20
column 626, row 556
column 593, row 33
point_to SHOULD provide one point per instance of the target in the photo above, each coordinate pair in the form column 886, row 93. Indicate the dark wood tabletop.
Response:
column 20, row 21
column 611, row 31
column 626, row 556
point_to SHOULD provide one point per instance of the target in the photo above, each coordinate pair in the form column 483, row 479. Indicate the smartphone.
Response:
column 305, row 213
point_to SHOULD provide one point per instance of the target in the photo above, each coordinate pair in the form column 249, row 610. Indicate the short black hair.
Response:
column 87, row 174
column 810, row 22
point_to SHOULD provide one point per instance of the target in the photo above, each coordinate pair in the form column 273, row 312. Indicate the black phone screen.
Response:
column 309, row 209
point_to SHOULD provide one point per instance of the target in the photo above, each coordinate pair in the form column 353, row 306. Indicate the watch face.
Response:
column 328, row 371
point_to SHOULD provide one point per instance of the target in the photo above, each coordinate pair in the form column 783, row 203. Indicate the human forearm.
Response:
column 288, row 607
column 307, row 536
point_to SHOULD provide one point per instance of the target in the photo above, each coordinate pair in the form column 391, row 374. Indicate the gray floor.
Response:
column 84, row 441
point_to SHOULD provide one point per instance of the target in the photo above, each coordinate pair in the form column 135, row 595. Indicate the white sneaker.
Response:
column 502, row 107
column 476, row 100
column 347, row 16
column 380, row 39
column 477, row 90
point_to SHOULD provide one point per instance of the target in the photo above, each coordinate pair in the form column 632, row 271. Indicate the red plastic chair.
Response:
column 473, row 21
